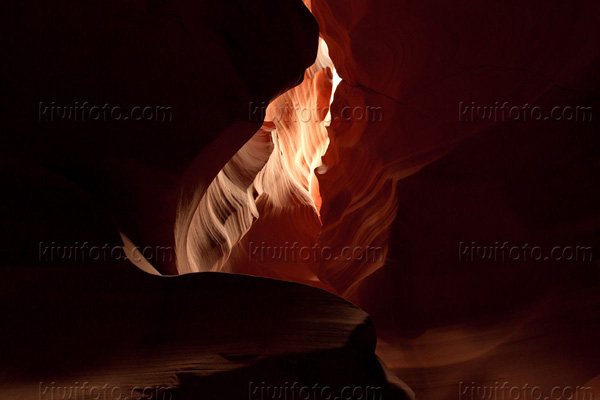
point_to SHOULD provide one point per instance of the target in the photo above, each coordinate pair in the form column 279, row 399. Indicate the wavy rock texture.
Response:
column 208, row 63
column 445, row 324
column 270, row 203
column 226, row 211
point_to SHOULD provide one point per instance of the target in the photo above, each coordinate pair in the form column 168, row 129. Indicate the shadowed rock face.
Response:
column 203, row 64
column 203, row 335
column 413, row 71
column 443, row 320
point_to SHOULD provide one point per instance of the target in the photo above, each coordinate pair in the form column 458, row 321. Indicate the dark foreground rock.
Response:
column 208, row 336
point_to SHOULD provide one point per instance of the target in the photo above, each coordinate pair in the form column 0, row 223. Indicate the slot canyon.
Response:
column 317, row 199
